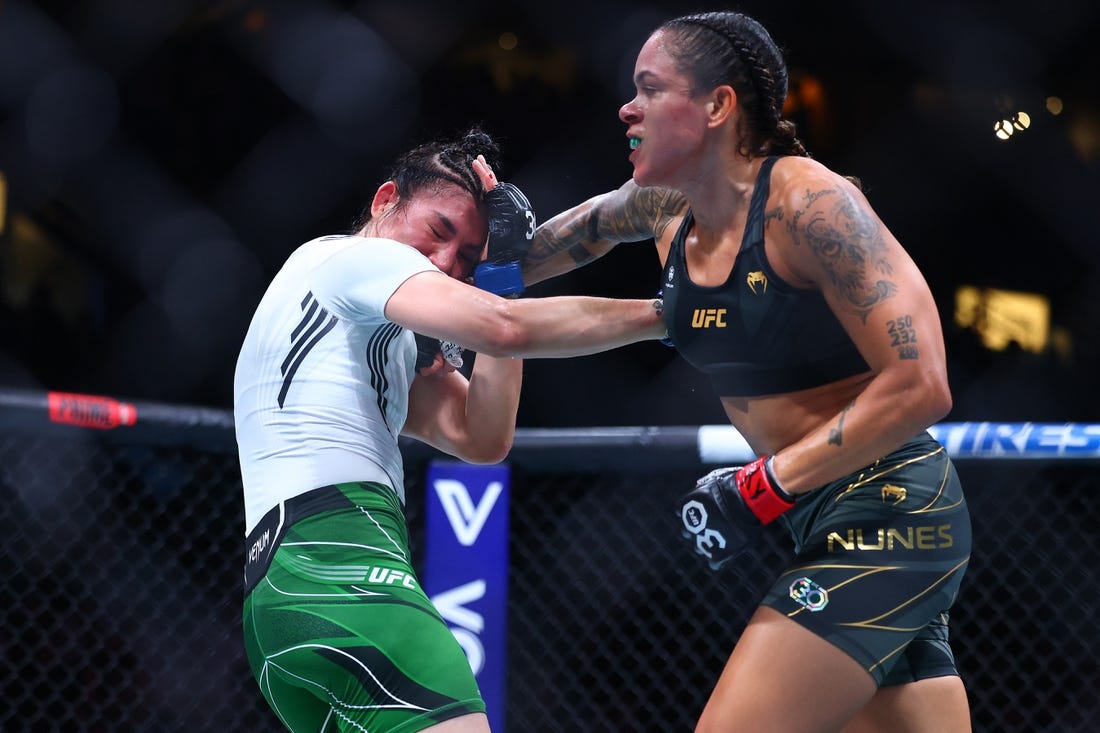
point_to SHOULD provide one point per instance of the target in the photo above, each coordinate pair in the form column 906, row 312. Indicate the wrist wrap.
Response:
column 761, row 491
column 503, row 279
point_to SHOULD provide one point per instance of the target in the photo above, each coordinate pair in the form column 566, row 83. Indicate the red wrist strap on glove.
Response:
column 761, row 491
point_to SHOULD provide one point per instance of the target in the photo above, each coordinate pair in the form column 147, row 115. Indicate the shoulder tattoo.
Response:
column 847, row 241
column 663, row 205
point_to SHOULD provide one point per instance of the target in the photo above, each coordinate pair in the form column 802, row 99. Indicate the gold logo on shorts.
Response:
column 755, row 278
column 926, row 537
column 893, row 494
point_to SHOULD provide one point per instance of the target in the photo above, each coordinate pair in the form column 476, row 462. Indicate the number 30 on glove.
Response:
column 727, row 508
column 511, row 231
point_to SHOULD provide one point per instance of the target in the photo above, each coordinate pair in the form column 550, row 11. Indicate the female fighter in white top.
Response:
column 338, row 632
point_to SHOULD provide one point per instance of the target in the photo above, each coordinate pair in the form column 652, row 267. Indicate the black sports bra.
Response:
column 754, row 334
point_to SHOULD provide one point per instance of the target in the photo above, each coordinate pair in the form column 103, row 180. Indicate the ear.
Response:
column 722, row 103
column 385, row 198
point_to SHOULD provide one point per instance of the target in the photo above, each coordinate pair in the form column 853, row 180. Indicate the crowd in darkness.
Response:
column 160, row 165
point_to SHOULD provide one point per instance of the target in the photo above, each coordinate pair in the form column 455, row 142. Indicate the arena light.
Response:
column 1003, row 129
column 1008, row 126
column 1004, row 317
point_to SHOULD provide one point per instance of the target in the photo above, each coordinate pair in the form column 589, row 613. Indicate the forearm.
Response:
column 474, row 419
column 590, row 230
column 884, row 416
column 492, row 402
column 575, row 326
column 564, row 243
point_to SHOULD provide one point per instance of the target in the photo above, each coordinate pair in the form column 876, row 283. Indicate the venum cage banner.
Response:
column 466, row 568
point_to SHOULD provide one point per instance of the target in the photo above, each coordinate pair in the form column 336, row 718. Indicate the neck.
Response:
column 724, row 196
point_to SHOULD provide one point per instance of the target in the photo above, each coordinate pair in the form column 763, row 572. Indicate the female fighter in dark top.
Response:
column 823, row 342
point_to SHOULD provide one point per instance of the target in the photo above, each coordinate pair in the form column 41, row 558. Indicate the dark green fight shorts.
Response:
column 880, row 555
column 338, row 632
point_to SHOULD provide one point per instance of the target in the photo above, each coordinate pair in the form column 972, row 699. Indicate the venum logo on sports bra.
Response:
column 754, row 278
column 708, row 317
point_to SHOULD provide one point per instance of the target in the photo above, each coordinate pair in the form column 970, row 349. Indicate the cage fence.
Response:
column 121, row 552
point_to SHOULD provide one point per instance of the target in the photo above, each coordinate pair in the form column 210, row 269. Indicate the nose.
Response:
column 445, row 259
column 628, row 113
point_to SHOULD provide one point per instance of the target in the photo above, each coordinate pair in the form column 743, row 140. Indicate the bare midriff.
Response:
column 769, row 423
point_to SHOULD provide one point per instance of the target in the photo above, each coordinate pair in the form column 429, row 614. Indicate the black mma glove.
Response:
column 427, row 347
column 727, row 508
column 511, row 229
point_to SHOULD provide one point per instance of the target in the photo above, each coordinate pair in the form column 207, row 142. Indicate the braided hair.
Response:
column 442, row 162
column 719, row 48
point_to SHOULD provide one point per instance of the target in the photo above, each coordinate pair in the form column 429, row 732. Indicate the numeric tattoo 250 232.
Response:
column 903, row 337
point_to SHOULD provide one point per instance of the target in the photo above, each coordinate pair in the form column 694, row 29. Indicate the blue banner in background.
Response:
column 466, row 568
column 1018, row 439
column 718, row 444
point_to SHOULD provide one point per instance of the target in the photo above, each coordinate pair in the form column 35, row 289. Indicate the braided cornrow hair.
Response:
column 441, row 162
column 719, row 48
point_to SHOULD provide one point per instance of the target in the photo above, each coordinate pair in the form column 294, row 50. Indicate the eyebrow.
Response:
column 647, row 75
column 450, row 227
column 446, row 222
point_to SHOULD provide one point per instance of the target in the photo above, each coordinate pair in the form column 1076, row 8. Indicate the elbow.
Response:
column 933, row 396
column 512, row 343
column 504, row 334
column 939, row 407
column 488, row 452
column 920, row 396
column 500, row 453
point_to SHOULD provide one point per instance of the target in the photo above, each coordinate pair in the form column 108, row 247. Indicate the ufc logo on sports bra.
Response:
column 707, row 317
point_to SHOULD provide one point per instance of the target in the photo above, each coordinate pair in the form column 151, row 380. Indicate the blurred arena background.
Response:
column 161, row 159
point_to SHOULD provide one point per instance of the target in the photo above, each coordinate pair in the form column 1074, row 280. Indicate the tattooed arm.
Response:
column 833, row 241
column 590, row 230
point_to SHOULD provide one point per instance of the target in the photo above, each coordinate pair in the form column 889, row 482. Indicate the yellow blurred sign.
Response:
column 1003, row 316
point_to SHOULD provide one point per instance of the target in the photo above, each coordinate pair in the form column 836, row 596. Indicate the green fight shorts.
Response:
column 880, row 555
column 338, row 632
